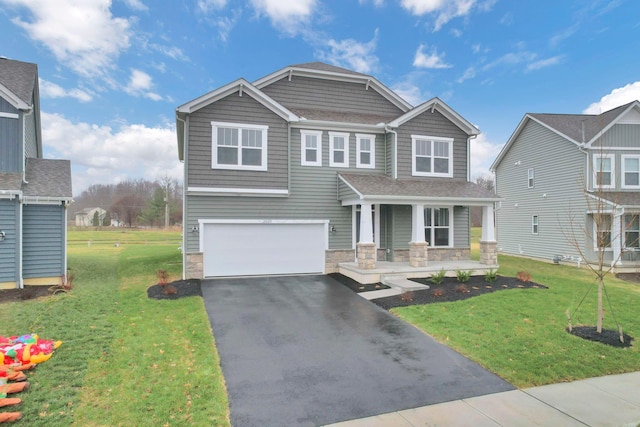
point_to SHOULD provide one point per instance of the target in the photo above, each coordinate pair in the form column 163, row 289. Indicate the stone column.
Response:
column 366, row 256
column 366, row 247
column 488, row 253
column 418, row 254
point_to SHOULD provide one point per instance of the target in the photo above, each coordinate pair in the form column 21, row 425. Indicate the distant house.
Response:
column 314, row 167
column 34, row 192
column 559, row 170
column 84, row 218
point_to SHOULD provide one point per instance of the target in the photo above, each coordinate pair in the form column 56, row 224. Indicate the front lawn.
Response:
column 126, row 359
column 520, row 334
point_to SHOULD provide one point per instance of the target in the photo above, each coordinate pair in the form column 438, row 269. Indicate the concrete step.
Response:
column 380, row 294
column 402, row 283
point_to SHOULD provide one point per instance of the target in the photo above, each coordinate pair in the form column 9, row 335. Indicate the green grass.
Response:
column 126, row 360
column 520, row 334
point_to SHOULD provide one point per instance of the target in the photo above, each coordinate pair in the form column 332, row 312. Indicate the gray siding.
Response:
column 558, row 194
column 621, row 135
column 432, row 124
column 30, row 138
column 6, row 107
column 9, row 247
column 390, row 142
column 461, row 224
column 401, row 225
column 43, row 240
column 243, row 110
column 10, row 145
column 320, row 94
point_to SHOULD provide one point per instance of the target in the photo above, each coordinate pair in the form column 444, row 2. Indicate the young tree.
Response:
column 95, row 221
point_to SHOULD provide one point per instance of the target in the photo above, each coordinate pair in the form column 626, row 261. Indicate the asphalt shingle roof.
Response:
column 10, row 181
column 382, row 185
column 48, row 178
column 621, row 198
column 19, row 77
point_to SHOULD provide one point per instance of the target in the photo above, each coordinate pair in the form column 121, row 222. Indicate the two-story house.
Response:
column 34, row 192
column 314, row 166
column 561, row 175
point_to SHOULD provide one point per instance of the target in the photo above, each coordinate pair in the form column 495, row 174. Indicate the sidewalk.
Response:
column 612, row 400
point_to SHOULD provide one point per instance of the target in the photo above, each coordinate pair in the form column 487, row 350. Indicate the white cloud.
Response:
column 140, row 84
column 543, row 63
column 101, row 154
column 469, row 73
column 287, row 16
column 410, row 91
column 616, row 98
column 512, row 58
column 483, row 153
column 82, row 34
column 207, row 6
column 445, row 10
column 136, row 5
column 429, row 60
column 52, row 90
column 352, row 54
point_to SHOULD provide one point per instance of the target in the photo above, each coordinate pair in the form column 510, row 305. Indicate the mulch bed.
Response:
column 27, row 293
column 449, row 290
column 355, row 286
column 183, row 288
column 608, row 336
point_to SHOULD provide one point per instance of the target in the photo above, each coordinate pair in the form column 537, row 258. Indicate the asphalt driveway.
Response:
column 306, row 351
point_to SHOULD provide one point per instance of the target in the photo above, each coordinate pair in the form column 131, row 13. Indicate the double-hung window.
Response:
column 530, row 177
column 339, row 149
column 602, row 230
column 631, row 231
column 603, row 171
column 365, row 151
column 431, row 156
column 311, row 148
column 534, row 224
column 239, row 146
column 630, row 171
column 437, row 228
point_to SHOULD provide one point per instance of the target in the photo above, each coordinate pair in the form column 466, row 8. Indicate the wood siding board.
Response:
column 43, row 240
column 9, row 247
column 437, row 125
column 243, row 110
column 313, row 93
column 559, row 176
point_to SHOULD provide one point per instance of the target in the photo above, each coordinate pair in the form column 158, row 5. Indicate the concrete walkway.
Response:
column 612, row 400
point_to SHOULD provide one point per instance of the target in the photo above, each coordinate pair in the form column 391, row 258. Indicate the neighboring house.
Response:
column 84, row 218
column 34, row 192
column 559, row 170
column 301, row 169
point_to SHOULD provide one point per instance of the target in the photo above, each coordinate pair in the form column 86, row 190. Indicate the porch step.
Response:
column 400, row 282
column 380, row 294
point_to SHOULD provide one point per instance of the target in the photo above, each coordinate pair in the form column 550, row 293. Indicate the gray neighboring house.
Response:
column 84, row 218
column 315, row 165
column 560, row 166
column 34, row 192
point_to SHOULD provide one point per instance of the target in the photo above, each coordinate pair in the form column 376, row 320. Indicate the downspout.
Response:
column 20, row 278
column 469, row 157
column 66, row 235
column 24, row 152
column 184, row 200
column 394, row 169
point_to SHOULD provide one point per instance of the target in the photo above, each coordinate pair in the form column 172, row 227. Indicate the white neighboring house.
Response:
column 84, row 218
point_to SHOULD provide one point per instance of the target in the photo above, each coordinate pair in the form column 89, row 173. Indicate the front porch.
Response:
column 385, row 270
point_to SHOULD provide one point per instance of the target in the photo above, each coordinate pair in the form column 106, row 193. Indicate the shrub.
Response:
column 462, row 288
column 163, row 277
column 523, row 276
column 463, row 276
column 438, row 292
column 491, row 276
column 407, row 296
column 438, row 277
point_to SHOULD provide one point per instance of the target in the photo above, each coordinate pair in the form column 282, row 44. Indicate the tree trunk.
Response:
column 600, row 309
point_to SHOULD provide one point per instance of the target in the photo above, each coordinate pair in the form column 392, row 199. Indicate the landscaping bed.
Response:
column 26, row 293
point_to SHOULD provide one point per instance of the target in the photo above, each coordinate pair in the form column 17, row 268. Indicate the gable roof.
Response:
column 18, row 81
column 580, row 129
column 331, row 72
column 437, row 104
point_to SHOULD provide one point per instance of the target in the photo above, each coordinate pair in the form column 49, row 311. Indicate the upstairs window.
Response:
column 437, row 229
column 239, row 146
column 630, row 171
column 339, row 149
column 603, row 168
column 530, row 178
column 311, row 148
column 431, row 156
column 365, row 151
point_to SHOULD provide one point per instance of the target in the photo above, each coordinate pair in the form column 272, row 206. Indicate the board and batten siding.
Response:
column 242, row 110
column 9, row 217
column 620, row 136
column 10, row 145
column 30, row 136
column 557, row 195
column 435, row 125
column 322, row 94
column 313, row 194
column 43, row 241
column 461, row 223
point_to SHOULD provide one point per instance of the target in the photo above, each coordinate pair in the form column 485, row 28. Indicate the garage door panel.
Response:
column 256, row 249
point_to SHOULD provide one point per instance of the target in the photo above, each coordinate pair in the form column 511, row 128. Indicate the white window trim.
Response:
column 623, row 178
column 535, row 224
column 431, row 139
column 531, row 178
column 344, row 135
column 626, row 230
column 303, row 134
column 359, row 138
column 240, row 127
column 613, row 170
column 595, row 234
column 451, row 234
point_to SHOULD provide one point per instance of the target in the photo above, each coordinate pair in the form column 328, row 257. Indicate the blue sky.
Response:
column 113, row 72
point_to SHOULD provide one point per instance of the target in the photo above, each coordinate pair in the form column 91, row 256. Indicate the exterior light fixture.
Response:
column 2, row 235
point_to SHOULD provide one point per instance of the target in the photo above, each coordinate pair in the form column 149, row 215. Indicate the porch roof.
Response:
column 376, row 188
column 626, row 199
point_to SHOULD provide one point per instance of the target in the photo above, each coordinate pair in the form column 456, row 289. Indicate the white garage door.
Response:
column 260, row 247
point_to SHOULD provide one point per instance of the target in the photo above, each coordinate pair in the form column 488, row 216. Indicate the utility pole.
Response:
column 166, row 205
